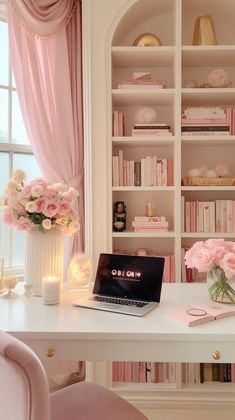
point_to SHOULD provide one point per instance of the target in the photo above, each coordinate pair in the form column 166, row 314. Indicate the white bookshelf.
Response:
column 175, row 61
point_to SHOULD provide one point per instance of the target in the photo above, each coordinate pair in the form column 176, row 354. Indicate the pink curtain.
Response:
column 46, row 53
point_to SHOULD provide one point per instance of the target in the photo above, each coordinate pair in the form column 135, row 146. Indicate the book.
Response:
column 192, row 315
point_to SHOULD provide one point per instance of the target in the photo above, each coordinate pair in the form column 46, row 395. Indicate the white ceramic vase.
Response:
column 44, row 256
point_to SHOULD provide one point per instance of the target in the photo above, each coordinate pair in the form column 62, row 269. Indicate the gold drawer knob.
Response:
column 216, row 355
column 50, row 352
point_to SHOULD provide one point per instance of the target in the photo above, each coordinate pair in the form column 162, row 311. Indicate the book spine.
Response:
column 115, row 171
column 120, row 155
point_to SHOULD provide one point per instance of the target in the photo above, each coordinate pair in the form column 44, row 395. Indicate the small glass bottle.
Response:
column 150, row 209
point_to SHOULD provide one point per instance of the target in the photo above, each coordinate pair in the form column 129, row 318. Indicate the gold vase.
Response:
column 204, row 31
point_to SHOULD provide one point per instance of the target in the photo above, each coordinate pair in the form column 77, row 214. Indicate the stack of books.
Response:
column 142, row 80
column 205, row 121
column 148, row 224
column 152, row 129
column 148, row 172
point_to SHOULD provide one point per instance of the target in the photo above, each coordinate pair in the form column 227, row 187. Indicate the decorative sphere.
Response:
column 194, row 173
column 145, row 115
column 147, row 40
column 79, row 271
column 218, row 78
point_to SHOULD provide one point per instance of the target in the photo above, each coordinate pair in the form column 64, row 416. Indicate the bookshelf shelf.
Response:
column 144, row 141
column 139, row 189
column 205, row 55
column 145, row 96
column 208, row 141
column 125, row 56
column 207, row 235
column 208, row 97
column 208, row 188
column 132, row 234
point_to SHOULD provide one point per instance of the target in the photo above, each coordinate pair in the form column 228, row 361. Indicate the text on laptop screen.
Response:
column 131, row 277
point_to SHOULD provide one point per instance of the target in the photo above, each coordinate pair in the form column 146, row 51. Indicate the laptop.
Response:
column 126, row 284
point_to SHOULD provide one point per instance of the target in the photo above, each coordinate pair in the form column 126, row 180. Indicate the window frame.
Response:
column 10, row 147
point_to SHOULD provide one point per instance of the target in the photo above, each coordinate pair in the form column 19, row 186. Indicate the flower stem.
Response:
column 220, row 289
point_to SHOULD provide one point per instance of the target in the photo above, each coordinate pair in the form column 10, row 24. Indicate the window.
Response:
column 15, row 150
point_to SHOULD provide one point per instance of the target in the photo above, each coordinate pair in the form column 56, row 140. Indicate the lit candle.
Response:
column 50, row 290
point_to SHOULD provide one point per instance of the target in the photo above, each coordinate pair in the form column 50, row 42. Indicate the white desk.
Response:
column 84, row 334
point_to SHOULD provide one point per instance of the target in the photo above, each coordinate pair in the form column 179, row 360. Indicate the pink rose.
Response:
column 8, row 217
column 228, row 264
column 50, row 208
column 64, row 207
column 203, row 259
column 24, row 224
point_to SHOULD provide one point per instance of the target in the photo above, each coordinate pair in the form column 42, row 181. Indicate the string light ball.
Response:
column 80, row 270
column 145, row 115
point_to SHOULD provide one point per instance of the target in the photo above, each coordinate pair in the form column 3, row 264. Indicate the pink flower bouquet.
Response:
column 39, row 205
column 216, row 257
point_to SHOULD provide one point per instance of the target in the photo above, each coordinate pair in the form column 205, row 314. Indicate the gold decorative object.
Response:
column 198, row 181
column 147, row 40
column 204, row 31
column 216, row 355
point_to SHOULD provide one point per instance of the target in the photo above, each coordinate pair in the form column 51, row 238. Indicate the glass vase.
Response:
column 220, row 289
column 44, row 256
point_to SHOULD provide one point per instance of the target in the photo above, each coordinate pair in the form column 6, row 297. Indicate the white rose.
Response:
column 31, row 206
column 11, row 187
column 37, row 191
column 46, row 224
column 18, row 176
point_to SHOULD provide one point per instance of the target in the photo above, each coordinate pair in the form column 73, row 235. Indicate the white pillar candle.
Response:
column 50, row 290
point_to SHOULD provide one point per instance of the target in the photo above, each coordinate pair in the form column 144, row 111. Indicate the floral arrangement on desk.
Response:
column 217, row 258
column 39, row 205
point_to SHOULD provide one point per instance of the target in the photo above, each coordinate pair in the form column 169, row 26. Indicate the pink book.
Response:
column 114, row 371
column 172, row 268
column 121, row 371
column 167, row 270
column 233, row 372
column 142, row 366
column 192, row 216
column 120, row 124
column 169, row 171
column 128, row 371
column 136, row 371
column 198, row 314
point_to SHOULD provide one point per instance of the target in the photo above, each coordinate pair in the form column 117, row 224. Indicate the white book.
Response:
column 115, row 171
column 120, row 155
column 164, row 171
column 148, row 171
column 187, row 216
column 115, row 123
column 143, row 172
column 154, row 170
column 200, row 227
column 132, row 173
column 206, row 215
column 212, row 216
column 218, row 216
column 229, row 205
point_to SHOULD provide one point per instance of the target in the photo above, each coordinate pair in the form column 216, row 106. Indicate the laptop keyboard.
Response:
column 119, row 301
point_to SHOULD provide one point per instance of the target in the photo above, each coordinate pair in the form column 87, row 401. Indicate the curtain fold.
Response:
column 48, row 74
column 44, row 17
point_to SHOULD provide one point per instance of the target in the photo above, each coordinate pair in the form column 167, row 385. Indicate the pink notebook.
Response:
column 198, row 314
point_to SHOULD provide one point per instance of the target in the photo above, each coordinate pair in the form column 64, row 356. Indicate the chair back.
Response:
column 24, row 393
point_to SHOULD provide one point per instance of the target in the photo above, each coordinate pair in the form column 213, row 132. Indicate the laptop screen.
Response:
column 129, row 276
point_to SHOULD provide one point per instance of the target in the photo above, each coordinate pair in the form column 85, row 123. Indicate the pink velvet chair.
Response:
column 24, row 393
